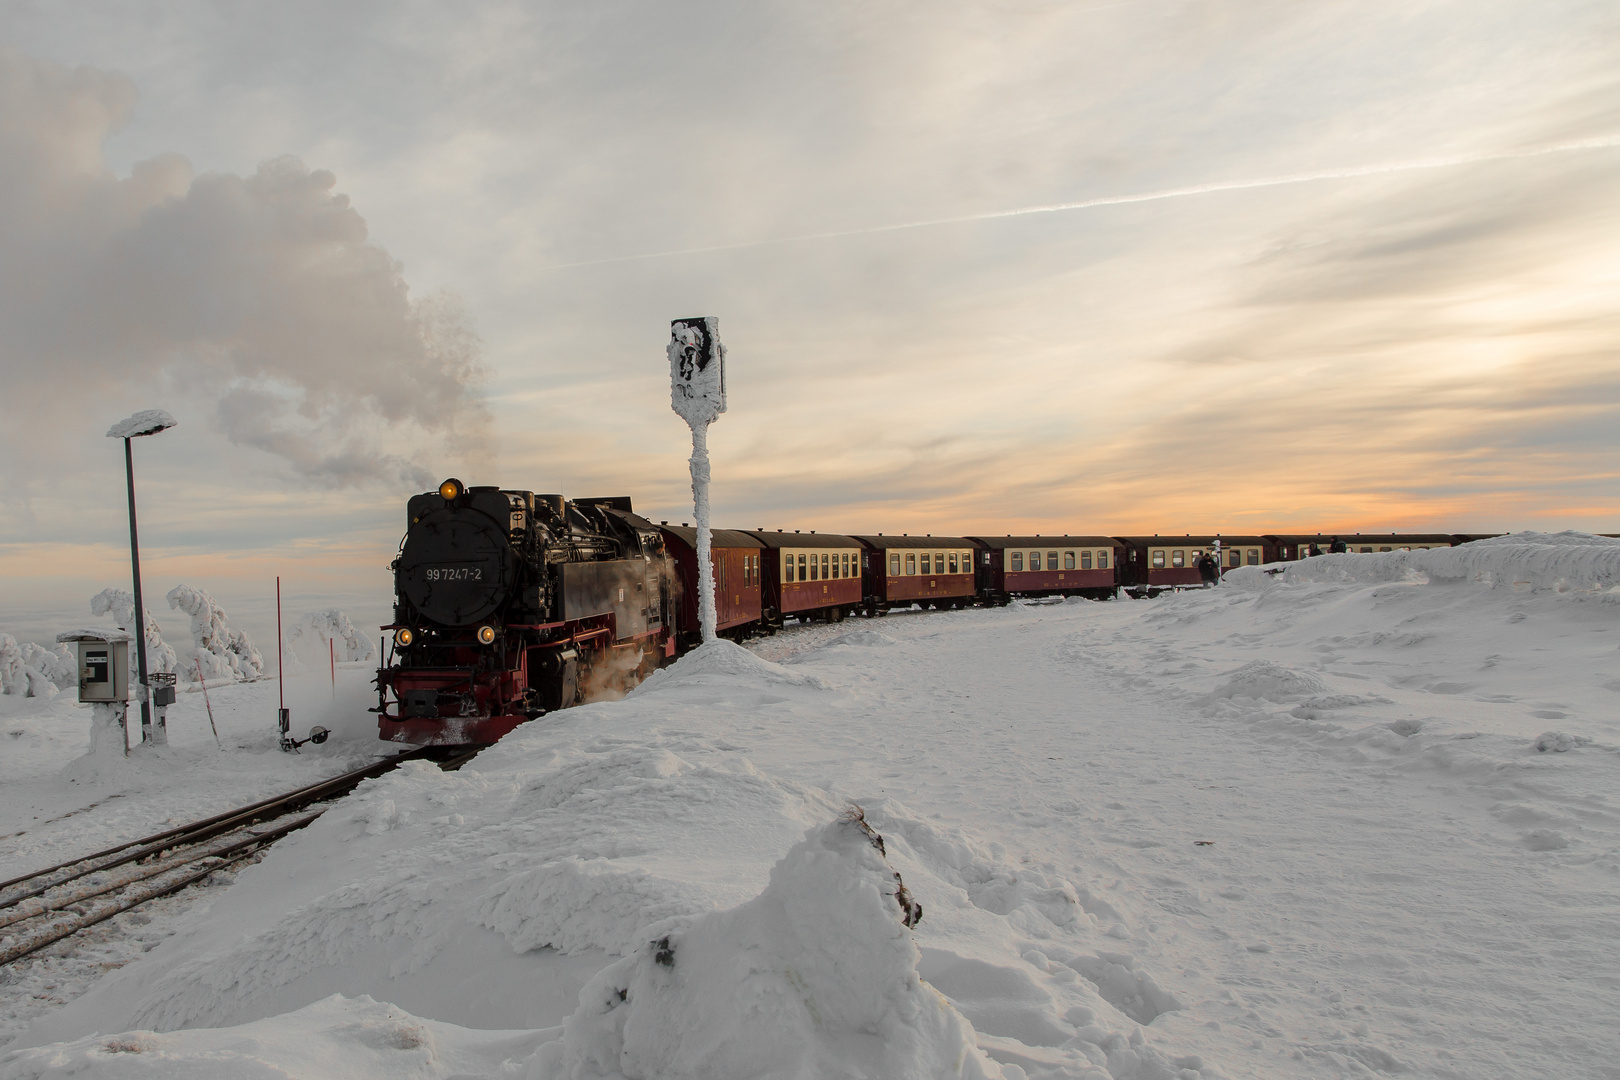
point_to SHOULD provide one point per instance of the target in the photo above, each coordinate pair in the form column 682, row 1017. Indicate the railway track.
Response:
column 39, row 909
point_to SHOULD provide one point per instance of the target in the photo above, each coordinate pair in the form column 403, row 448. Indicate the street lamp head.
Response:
column 145, row 422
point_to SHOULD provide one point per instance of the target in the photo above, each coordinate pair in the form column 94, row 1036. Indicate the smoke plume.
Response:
column 261, row 294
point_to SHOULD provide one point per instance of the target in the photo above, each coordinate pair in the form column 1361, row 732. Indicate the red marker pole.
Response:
column 209, row 705
column 283, row 721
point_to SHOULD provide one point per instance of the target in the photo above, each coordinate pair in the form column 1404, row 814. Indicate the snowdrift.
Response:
column 1567, row 562
column 493, row 896
column 352, row 1038
column 817, row 976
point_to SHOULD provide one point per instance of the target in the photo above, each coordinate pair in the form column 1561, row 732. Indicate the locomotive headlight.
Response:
column 404, row 636
column 486, row 635
column 451, row 490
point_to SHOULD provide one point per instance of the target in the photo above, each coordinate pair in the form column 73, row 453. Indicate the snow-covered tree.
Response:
column 315, row 629
column 120, row 604
column 220, row 651
column 32, row 670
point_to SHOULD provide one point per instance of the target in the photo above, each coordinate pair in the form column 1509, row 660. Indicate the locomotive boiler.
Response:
column 510, row 605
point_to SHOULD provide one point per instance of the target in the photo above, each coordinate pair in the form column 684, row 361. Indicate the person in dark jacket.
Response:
column 1338, row 547
column 1316, row 549
column 1208, row 572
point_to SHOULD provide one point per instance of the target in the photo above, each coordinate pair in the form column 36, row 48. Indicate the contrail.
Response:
column 1601, row 142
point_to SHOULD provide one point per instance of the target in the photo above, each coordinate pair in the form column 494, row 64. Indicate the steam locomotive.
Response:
column 509, row 605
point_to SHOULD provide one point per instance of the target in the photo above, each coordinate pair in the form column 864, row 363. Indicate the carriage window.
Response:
column 894, row 565
column 1017, row 561
column 1102, row 560
column 1051, row 560
column 1234, row 557
column 1366, row 551
column 1068, row 560
column 1383, row 549
column 1034, row 560
column 824, row 561
column 802, row 575
column 1158, row 560
column 925, row 563
column 953, row 562
column 1254, row 556
column 1178, row 558
column 1085, row 561
column 787, row 568
column 911, row 563
column 845, row 560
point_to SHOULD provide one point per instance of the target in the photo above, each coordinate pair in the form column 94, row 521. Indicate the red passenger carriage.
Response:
column 809, row 575
column 1155, row 563
column 1048, row 566
column 735, row 557
column 929, row 571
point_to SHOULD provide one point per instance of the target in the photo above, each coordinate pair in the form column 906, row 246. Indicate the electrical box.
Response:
column 103, row 663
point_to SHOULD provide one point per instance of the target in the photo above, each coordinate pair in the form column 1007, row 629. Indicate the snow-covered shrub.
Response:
column 32, row 670
column 221, row 652
column 816, row 976
column 12, row 679
column 121, row 606
column 308, row 637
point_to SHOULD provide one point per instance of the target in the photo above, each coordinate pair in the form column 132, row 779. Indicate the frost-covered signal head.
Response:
column 697, row 369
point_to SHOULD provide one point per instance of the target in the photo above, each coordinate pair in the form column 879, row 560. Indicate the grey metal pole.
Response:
column 140, row 610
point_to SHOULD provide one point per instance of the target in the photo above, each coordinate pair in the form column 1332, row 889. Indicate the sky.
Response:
column 1018, row 266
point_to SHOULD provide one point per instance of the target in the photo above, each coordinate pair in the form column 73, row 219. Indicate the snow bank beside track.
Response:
column 1565, row 563
column 490, row 897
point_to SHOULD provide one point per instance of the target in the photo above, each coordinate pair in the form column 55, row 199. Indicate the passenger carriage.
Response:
column 1156, row 563
column 735, row 557
column 929, row 571
column 809, row 575
column 1011, row 566
column 1294, row 546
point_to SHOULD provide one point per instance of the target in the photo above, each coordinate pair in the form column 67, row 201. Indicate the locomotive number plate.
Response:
column 453, row 573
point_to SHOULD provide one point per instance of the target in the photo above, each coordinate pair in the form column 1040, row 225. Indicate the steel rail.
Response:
column 196, row 832
column 16, row 912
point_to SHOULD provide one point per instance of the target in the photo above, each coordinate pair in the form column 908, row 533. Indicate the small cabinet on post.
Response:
column 103, row 657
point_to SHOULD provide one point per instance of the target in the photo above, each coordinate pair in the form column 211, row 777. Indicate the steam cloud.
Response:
column 260, row 293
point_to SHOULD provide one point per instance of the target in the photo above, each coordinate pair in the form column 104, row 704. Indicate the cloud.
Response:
column 259, row 297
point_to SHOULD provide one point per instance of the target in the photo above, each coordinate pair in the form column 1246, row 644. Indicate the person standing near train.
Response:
column 1208, row 572
column 1338, row 547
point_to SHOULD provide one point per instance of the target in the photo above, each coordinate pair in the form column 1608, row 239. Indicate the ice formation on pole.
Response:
column 220, row 651
column 145, row 422
column 697, row 393
column 120, row 604
column 318, row 627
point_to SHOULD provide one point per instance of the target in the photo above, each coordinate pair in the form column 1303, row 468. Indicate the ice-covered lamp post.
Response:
column 146, row 422
column 697, row 393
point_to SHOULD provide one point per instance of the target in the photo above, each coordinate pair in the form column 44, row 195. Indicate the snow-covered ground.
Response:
column 1358, row 817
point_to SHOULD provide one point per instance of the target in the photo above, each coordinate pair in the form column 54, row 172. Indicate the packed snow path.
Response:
column 1269, row 830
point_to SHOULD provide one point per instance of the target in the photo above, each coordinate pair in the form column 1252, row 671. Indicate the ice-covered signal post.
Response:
column 697, row 393
column 145, row 422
